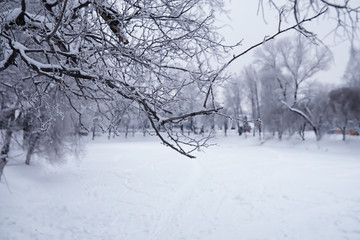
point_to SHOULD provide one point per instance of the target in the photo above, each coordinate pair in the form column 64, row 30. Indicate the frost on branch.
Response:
column 107, row 57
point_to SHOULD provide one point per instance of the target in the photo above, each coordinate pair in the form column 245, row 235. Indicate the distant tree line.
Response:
column 280, row 88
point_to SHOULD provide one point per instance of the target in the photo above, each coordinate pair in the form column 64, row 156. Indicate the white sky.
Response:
column 244, row 23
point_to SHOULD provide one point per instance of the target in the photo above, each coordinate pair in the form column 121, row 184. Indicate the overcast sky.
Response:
column 243, row 22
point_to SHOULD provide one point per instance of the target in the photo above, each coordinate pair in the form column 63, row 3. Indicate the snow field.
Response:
column 138, row 189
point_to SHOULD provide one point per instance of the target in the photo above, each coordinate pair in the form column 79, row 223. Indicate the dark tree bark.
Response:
column 6, row 145
column 31, row 148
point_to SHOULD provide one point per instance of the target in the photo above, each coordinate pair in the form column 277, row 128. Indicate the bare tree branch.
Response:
column 266, row 39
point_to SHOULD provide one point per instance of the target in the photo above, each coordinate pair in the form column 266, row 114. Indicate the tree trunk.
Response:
column 30, row 151
column 317, row 133
column 302, row 131
column 260, row 133
column 126, row 131
column 6, row 145
column 280, row 135
column 343, row 131
column 93, row 132
column 5, row 150
column 225, row 127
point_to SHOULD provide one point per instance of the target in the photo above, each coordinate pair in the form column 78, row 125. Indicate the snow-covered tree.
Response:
column 141, row 52
column 345, row 107
column 292, row 64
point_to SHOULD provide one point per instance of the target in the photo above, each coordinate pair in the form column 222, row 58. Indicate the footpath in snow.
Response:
column 137, row 189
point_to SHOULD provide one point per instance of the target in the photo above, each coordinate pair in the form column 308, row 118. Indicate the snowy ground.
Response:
column 140, row 190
